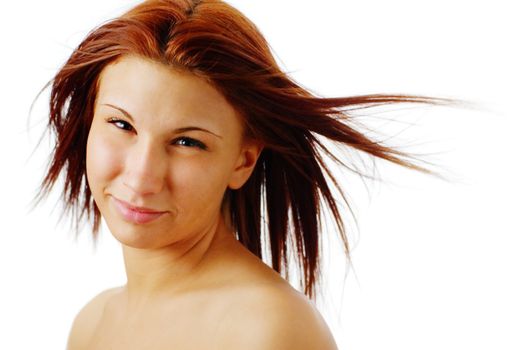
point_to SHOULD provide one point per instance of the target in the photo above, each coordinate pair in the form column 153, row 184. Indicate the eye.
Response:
column 121, row 124
column 184, row 141
column 189, row 142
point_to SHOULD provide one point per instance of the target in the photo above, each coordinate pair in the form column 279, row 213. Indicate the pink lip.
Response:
column 137, row 215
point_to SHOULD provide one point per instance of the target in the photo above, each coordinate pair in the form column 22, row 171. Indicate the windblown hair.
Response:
column 213, row 40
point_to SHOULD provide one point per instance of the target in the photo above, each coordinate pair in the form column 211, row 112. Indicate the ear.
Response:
column 245, row 163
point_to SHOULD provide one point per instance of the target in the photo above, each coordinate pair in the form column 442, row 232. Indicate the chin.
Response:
column 153, row 234
column 141, row 236
column 135, row 236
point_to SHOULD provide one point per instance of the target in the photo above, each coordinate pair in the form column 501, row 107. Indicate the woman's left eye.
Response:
column 189, row 142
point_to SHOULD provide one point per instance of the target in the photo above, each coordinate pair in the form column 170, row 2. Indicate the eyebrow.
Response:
column 177, row 130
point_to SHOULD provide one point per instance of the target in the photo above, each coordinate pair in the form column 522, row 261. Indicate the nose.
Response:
column 146, row 166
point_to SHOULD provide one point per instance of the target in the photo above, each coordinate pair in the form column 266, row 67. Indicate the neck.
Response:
column 156, row 273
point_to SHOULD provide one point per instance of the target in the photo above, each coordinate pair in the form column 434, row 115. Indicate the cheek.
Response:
column 201, row 184
column 102, row 160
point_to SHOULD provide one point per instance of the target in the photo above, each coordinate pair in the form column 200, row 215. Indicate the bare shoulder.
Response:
column 265, row 318
column 87, row 318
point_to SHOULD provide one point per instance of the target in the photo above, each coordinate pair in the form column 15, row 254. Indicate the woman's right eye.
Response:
column 121, row 124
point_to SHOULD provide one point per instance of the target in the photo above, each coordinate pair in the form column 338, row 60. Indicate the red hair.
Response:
column 213, row 40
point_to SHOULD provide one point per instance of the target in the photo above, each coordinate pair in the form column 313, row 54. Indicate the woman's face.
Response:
column 167, row 141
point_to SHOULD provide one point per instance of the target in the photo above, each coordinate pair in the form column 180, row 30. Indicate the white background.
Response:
column 439, row 265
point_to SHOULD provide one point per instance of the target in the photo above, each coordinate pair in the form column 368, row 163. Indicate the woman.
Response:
column 173, row 121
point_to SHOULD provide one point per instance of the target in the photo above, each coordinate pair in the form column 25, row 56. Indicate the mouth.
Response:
column 136, row 215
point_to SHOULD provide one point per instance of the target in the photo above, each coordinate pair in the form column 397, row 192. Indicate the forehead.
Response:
column 152, row 89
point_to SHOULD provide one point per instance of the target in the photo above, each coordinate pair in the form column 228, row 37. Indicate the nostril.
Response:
column 144, row 186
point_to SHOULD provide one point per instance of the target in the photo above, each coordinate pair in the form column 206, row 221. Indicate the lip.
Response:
column 138, row 215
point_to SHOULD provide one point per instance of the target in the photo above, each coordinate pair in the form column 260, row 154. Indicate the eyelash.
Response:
column 197, row 143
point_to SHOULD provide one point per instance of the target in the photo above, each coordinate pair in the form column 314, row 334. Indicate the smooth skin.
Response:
column 190, row 283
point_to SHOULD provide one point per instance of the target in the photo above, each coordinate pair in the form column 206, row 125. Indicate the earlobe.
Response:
column 246, row 162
